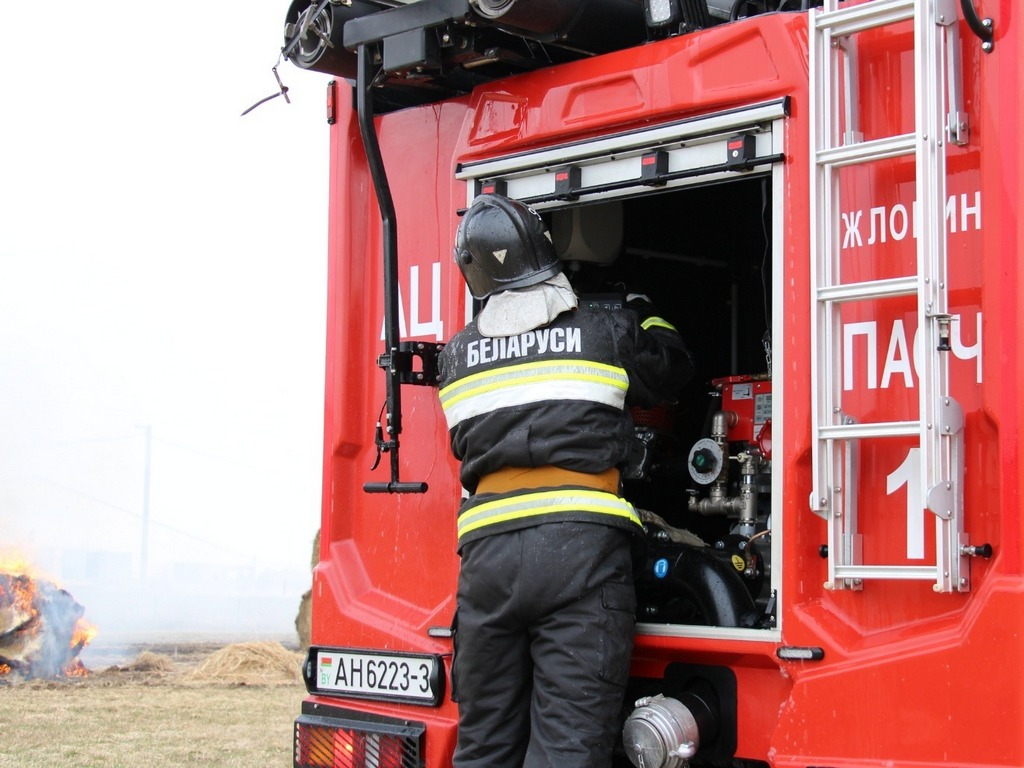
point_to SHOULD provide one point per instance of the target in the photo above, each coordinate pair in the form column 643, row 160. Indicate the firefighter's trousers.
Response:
column 543, row 643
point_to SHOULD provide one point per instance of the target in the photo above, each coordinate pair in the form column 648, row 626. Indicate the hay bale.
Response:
column 257, row 663
column 316, row 551
column 304, row 618
column 39, row 620
column 147, row 661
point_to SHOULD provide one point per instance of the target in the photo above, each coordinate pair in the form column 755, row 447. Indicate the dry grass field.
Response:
column 213, row 706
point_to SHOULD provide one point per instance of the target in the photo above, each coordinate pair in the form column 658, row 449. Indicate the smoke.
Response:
column 189, row 313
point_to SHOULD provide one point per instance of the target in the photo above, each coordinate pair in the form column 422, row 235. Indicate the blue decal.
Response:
column 661, row 568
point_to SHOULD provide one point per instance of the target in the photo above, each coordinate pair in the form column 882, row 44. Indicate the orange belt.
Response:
column 521, row 478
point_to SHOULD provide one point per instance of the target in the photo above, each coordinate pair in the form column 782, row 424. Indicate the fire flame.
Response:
column 41, row 626
column 15, row 565
column 83, row 634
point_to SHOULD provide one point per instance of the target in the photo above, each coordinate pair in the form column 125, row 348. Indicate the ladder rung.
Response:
column 909, row 572
column 848, row 21
column 871, row 289
column 868, row 151
column 871, row 429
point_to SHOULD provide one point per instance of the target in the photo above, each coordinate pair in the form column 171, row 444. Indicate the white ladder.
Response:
column 939, row 427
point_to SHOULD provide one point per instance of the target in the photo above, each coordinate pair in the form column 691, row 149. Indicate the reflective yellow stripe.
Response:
column 657, row 322
column 538, row 367
column 529, row 505
column 531, row 383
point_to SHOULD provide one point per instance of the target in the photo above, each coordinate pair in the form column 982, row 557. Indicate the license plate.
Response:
column 381, row 675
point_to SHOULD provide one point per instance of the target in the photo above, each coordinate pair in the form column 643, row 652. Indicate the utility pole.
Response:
column 144, row 559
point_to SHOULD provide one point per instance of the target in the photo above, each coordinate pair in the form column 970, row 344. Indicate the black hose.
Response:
column 696, row 575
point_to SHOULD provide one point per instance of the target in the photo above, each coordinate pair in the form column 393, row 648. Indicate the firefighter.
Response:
column 536, row 392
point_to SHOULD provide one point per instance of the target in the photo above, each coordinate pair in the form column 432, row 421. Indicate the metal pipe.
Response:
column 364, row 109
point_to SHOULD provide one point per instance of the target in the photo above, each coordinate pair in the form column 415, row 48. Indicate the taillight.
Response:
column 327, row 742
column 313, row 746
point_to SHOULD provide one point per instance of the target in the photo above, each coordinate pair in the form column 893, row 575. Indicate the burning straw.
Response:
column 41, row 627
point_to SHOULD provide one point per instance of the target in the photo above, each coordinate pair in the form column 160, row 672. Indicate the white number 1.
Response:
column 909, row 474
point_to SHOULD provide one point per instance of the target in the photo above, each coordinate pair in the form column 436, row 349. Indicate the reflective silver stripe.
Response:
column 657, row 322
column 542, row 503
column 533, row 383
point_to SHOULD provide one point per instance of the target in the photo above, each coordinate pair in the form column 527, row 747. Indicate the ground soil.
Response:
column 170, row 705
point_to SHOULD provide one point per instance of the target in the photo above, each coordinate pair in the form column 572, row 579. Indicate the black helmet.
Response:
column 503, row 244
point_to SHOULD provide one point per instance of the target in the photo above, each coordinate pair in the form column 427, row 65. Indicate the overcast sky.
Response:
column 162, row 271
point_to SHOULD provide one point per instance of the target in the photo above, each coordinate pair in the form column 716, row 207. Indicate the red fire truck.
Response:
column 825, row 202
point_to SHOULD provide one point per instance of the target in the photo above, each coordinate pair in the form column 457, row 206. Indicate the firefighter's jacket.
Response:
column 557, row 396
